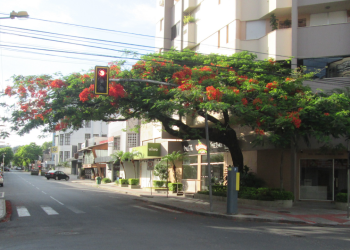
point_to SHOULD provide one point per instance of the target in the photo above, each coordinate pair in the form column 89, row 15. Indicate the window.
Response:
column 328, row 18
column 66, row 139
column 161, row 24
column 302, row 22
column 79, row 146
column 116, row 143
column 61, row 139
column 104, row 135
column 61, row 156
column 255, row 29
column 132, row 140
column 66, row 155
column 87, row 124
column 190, row 167
column 175, row 31
column 87, row 136
column 96, row 135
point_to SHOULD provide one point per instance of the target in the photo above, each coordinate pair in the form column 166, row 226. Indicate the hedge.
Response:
column 106, row 180
column 173, row 186
column 133, row 181
column 341, row 197
column 123, row 181
column 159, row 184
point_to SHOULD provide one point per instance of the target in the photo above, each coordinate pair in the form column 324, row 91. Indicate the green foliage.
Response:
column 172, row 158
column 159, row 184
column 341, row 197
column 106, row 180
column 273, row 22
column 46, row 145
column 27, row 154
column 189, row 19
column 133, row 181
column 124, row 181
column 8, row 154
column 161, row 170
column 249, row 179
column 267, row 194
column 173, row 186
column 219, row 188
column 116, row 181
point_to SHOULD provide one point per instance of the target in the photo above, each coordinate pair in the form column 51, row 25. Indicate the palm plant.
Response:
column 130, row 156
column 172, row 158
column 119, row 156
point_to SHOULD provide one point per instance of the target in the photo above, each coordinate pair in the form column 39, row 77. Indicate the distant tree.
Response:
column 8, row 155
column 28, row 154
column 161, row 170
column 46, row 145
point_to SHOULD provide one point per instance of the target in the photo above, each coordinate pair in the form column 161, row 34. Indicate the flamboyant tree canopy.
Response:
column 236, row 90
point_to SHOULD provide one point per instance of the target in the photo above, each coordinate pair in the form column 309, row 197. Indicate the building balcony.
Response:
column 264, row 8
column 189, row 35
column 276, row 44
column 324, row 41
column 190, row 5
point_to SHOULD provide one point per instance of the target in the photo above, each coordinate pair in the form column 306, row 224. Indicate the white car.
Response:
column 1, row 180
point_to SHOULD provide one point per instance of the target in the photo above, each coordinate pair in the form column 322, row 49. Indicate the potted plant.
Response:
column 189, row 19
column 134, row 183
column 124, row 182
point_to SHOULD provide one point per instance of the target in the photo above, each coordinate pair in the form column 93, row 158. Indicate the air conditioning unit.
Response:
column 161, row 2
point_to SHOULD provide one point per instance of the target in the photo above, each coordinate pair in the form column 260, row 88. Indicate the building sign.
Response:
column 54, row 150
column 153, row 149
column 150, row 165
column 200, row 147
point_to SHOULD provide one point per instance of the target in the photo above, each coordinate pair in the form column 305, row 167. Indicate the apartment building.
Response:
column 66, row 143
column 316, row 33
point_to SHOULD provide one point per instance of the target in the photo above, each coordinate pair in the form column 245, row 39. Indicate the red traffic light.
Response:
column 102, row 72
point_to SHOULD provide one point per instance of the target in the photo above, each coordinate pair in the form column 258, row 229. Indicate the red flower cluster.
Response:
column 116, row 90
column 272, row 85
column 294, row 116
column 8, row 91
column 245, row 101
column 241, row 79
column 56, row 84
column 21, row 91
column 326, row 114
column 183, row 76
column 234, row 89
column 60, row 126
column 186, row 86
column 213, row 94
column 164, row 89
column 271, row 61
column 87, row 93
column 259, row 131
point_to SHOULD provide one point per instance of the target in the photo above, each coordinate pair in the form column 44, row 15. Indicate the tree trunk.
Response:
column 174, row 169
column 123, row 168
column 133, row 163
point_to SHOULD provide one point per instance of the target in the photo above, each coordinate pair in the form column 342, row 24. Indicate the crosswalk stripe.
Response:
column 145, row 208
column 49, row 210
column 22, row 211
column 166, row 209
column 75, row 210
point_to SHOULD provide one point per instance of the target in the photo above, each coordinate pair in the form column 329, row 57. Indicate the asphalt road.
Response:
column 49, row 214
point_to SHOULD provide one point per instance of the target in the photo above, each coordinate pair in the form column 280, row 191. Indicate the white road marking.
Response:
column 56, row 200
column 75, row 210
column 166, row 209
column 49, row 210
column 43, row 192
column 37, row 188
column 145, row 209
column 22, row 211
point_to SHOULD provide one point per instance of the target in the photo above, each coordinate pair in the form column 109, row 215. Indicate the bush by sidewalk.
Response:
column 341, row 197
column 106, row 180
column 251, row 193
column 133, row 181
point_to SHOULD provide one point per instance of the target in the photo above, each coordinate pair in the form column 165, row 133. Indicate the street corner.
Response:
column 8, row 212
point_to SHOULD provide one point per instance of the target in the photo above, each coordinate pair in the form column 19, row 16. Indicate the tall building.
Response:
column 316, row 33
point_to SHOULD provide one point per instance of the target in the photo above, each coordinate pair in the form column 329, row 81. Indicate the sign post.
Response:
column 150, row 167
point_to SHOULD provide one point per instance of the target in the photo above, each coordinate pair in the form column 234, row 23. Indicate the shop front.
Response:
column 195, row 165
column 94, row 170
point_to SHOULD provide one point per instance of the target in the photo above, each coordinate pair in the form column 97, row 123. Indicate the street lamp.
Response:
column 19, row 14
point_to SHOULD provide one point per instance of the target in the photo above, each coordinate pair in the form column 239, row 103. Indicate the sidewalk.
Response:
column 312, row 213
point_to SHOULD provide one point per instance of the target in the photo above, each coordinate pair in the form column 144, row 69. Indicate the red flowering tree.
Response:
column 236, row 91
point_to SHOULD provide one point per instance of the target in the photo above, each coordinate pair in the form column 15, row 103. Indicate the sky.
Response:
column 36, row 45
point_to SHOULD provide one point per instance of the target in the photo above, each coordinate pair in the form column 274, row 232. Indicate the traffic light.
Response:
column 101, row 80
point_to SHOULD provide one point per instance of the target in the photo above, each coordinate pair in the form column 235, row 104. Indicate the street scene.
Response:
column 169, row 124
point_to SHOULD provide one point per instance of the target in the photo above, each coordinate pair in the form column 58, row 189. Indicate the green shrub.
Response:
column 282, row 195
column 173, row 186
column 133, row 181
column 189, row 19
column 266, row 194
column 123, row 181
column 106, row 180
column 341, row 197
column 117, row 181
column 159, row 184
column 219, row 188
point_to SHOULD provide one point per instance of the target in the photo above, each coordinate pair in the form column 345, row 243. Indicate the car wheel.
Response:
column 67, row 178
column 56, row 178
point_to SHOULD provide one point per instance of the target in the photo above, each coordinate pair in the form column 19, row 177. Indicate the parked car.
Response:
column 57, row 175
column 1, row 180
column 18, row 168
column 7, row 169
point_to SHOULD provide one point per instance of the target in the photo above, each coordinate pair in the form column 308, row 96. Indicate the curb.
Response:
column 2, row 204
column 226, row 216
